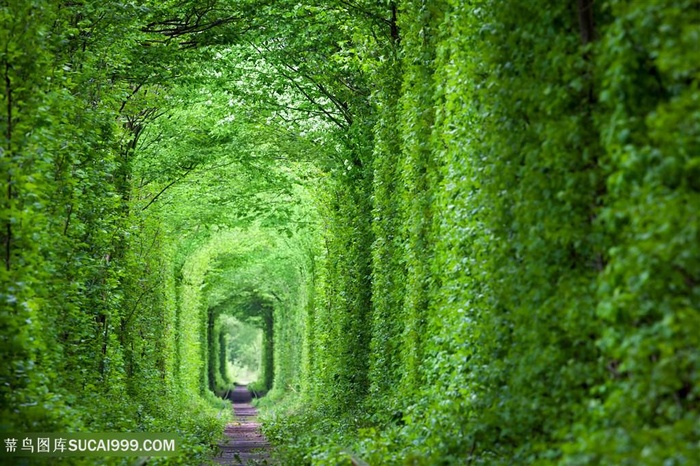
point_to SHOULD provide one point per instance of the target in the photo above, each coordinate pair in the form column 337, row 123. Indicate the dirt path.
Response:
column 244, row 443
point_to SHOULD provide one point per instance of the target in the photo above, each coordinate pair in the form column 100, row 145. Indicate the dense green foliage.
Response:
column 90, row 338
column 467, row 230
column 534, row 243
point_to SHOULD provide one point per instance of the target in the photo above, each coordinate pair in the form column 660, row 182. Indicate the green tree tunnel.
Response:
column 441, row 232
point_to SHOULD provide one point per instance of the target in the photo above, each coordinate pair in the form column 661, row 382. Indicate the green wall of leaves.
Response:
column 534, row 243
column 88, row 303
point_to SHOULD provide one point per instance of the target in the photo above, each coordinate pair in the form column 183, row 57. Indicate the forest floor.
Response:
column 244, row 443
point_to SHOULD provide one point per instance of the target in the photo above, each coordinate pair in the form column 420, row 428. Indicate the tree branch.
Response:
column 585, row 20
column 169, row 185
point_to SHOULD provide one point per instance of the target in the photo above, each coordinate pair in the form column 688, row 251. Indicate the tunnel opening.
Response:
column 241, row 353
column 241, row 344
